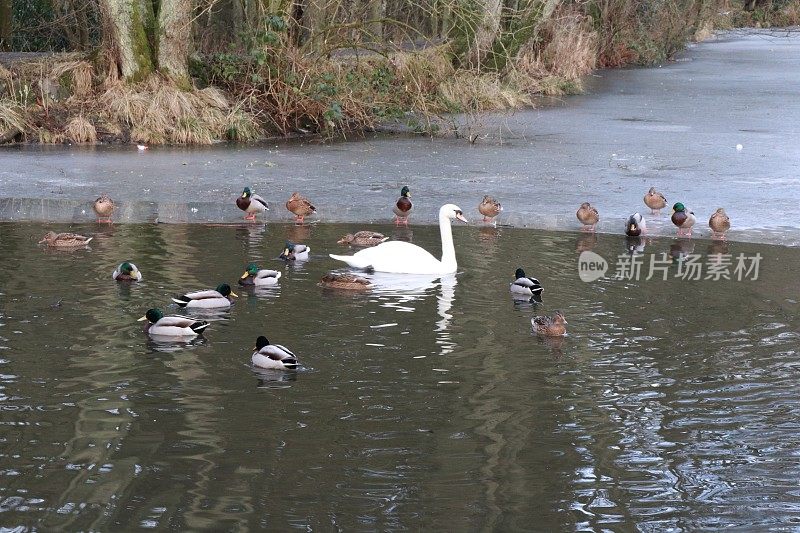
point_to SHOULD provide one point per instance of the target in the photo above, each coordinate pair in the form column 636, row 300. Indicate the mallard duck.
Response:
column 300, row 206
column 655, row 201
column 251, row 204
column 635, row 225
column 546, row 326
column 719, row 224
column 489, row 208
column 363, row 238
column 525, row 286
column 127, row 271
column 104, row 208
column 273, row 356
column 219, row 297
column 295, row 252
column 588, row 216
column 64, row 240
column 683, row 218
column 349, row 282
column 172, row 326
column 253, row 276
column 402, row 208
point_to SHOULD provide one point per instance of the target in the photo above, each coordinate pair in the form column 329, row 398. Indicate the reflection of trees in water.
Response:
column 209, row 503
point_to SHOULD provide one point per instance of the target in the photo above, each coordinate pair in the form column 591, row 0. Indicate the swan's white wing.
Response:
column 394, row 256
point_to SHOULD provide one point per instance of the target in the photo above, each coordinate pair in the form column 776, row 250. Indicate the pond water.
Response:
column 424, row 403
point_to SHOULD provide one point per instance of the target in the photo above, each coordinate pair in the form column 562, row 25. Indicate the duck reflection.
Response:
column 718, row 247
column 296, row 233
column 274, row 379
column 252, row 234
column 680, row 249
column 585, row 242
column 168, row 344
column 488, row 234
column 554, row 343
column 403, row 233
column 635, row 245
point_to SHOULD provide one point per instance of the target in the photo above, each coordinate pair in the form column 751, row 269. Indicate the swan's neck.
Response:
column 448, row 250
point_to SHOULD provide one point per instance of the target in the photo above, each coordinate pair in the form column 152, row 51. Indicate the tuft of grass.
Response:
column 79, row 75
column 46, row 136
column 79, row 130
column 471, row 91
column 13, row 119
column 157, row 111
column 242, row 127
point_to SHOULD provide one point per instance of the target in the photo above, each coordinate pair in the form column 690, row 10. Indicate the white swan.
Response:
column 401, row 257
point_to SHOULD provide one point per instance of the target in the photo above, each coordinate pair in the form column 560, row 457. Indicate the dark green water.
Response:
column 671, row 404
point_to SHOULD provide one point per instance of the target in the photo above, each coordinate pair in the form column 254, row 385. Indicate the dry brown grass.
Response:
column 157, row 111
column 80, row 76
column 80, row 131
column 12, row 117
column 472, row 91
column 570, row 53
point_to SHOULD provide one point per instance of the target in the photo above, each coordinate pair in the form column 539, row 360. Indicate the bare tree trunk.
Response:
column 126, row 23
column 375, row 14
column 174, row 38
column 5, row 25
column 313, row 22
column 486, row 32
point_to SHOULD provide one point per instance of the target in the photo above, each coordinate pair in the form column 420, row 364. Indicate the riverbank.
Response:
column 675, row 127
column 343, row 81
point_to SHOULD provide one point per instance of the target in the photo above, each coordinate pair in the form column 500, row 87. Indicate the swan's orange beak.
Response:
column 460, row 217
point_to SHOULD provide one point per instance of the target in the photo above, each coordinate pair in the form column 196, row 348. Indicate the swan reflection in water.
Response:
column 400, row 290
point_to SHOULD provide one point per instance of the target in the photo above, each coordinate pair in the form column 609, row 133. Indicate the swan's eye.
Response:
column 458, row 212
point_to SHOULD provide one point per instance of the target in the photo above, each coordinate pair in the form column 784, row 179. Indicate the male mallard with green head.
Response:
column 257, row 277
column 127, row 271
column 209, row 299
column 525, row 286
column 655, row 201
column 635, row 225
column 588, row 216
column 719, row 224
column 171, row 326
column 295, row 252
column 683, row 218
column 402, row 208
column 251, row 204
column 273, row 356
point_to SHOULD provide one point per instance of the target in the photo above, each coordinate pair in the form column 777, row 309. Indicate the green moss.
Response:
column 142, row 50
